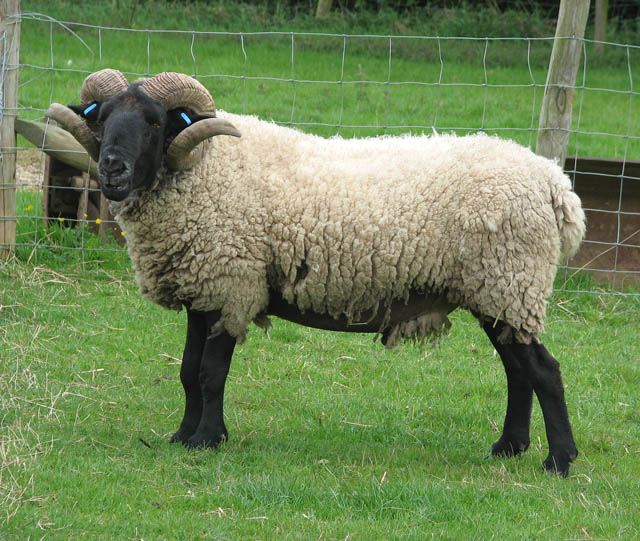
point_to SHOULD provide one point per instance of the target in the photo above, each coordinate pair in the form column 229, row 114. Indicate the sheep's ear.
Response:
column 88, row 112
column 179, row 119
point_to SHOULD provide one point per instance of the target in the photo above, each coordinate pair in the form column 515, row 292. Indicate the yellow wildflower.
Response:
column 60, row 219
column 29, row 208
column 85, row 216
column 98, row 221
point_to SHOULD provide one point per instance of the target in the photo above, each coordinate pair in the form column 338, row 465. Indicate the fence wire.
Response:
column 348, row 85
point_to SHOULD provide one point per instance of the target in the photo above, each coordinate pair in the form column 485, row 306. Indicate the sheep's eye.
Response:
column 153, row 122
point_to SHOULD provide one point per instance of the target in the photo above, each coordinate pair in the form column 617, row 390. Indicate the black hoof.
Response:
column 559, row 465
column 181, row 436
column 507, row 447
column 198, row 441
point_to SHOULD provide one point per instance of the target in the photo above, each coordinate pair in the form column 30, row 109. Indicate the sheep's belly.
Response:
column 423, row 316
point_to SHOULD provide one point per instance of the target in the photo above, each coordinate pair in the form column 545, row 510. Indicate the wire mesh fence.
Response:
column 346, row 85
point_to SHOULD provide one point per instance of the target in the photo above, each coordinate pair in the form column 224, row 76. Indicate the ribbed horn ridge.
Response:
column 175, row 90
column 179, row 90
column 103, row 84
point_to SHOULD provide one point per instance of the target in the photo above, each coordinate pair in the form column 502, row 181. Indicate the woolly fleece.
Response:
column 345, row 226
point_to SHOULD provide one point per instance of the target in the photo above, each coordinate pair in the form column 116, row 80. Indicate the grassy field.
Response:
column 331, row 435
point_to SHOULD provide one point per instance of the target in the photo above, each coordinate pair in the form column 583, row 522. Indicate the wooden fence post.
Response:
column 600, row 31
column 323, row 9
column 557, row 104
column 9, row 56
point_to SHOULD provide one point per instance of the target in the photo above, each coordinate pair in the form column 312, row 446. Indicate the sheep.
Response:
column 383, row 235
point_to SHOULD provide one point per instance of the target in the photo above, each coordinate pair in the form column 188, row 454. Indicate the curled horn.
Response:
column 178, row 90
column 97, row 87
column 101, row 85
column 184, row 152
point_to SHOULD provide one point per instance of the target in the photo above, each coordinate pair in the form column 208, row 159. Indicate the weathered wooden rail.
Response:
column 610, row 193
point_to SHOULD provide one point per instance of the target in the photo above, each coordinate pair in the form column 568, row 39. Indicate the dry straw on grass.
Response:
column 26, row 398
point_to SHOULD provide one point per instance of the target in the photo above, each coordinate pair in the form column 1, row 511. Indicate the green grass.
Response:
column 331, row 435
column 56, row 243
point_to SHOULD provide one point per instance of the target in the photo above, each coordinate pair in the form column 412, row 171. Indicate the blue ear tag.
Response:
column 89, row 109
column 186, row 118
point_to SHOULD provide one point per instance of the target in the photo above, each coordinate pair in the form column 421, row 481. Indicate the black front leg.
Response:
column 190, row 375
column 214, row 367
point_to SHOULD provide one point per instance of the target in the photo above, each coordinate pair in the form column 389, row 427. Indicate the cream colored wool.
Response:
column 344, row 226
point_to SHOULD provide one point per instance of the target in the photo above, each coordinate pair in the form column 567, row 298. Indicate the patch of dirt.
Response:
column 29, row 169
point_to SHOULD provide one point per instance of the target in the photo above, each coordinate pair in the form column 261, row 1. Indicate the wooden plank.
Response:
column 60, row 197
column 58, row 143
column 9, row 56
column 610, row 193
column 557, row 104
column 610, row 167
column 84, row 199
column 105, row 217
column 46, row 175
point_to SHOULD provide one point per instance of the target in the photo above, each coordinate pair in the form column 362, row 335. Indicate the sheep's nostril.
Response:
column 112, row 166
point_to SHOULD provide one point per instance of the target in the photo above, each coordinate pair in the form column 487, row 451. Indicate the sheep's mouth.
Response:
column 114, row 193
column 115, row 184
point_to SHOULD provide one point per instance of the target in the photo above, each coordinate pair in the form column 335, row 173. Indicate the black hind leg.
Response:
column 544, row 372
column 531, row 366
column 515, row 434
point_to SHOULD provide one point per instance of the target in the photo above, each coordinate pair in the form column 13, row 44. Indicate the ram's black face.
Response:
column 134, row 132
column 133, row 129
